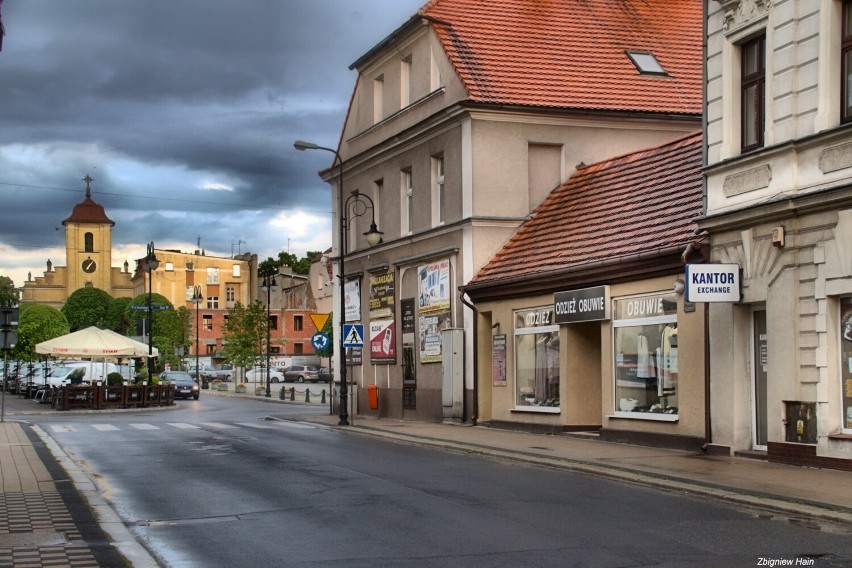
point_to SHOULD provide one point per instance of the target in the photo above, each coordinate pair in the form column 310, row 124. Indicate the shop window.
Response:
column 536, row 360
column 646, row 366
column 846, row 361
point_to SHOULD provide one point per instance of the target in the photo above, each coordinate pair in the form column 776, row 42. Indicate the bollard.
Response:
column 293, row 393
column 282, row 393
column 307, row 395
column 323, row 397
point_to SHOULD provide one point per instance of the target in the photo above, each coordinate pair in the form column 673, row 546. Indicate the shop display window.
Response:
column 846, row 361
column 536, row 360
column 646, row 355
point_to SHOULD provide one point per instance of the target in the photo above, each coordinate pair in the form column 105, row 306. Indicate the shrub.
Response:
column 114, row 379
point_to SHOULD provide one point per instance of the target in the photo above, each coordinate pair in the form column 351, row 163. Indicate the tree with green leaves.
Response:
column 37, row 323
column 166, row 325
column 117, row 319
column 244, row 333
column 299, row 265
column 9, row 295
column 87, row 307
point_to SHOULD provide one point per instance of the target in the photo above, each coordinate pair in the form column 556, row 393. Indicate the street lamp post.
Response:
column 268, row 285
column 150, row 264
column 374, row 236
column 197, row 298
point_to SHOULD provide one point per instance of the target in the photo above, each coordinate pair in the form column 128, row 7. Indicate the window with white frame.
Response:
column 437, row 190
column 235, row 271
column 406, row 199
column 170, row 267
column 645, row 356
column 435, row 74
column 230, row 293
column 405, row 81
column 378, row 187
column 378, row 98
column 212, row 302
column 212, row 275
column 536, row 360
column 846, row 362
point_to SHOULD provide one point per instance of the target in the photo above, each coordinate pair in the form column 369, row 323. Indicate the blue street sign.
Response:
column 319, row 341
column 353, row 335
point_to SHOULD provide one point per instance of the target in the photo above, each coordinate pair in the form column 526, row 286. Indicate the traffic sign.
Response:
column 353, row 335
column 319, row 320
column 320, row 341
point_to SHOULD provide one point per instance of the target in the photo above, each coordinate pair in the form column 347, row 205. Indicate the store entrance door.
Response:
column 760, row 363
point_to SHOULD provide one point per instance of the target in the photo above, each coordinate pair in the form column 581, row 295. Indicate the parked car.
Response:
column 259, row 376
column 204, row 369
column 301, row 373
column 326, row 374
column 223, row 372
column 185, row 385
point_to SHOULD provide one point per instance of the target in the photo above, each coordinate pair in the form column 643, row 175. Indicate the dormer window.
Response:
column 646, row 63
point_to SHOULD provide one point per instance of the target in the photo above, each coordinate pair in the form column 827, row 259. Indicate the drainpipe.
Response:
column 475, row 416
column 708, row 431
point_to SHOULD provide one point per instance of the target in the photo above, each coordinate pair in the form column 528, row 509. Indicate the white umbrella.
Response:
column 94, row 342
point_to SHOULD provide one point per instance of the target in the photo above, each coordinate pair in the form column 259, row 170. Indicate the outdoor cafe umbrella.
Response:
column 95, row 343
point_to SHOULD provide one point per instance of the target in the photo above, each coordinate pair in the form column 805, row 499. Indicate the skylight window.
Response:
column 646, row 63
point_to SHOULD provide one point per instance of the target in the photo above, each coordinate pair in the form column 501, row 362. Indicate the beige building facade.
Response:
column 779, row 206
column 451, row 172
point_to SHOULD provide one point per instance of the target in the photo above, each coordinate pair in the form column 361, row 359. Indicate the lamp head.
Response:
column 302, row 145
column 374, row 235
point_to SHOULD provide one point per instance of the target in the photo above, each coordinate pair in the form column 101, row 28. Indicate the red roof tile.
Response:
column 88, row 212
column 571, row 53
column 629, row 205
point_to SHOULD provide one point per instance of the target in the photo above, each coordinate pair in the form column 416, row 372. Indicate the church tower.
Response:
column 88, row 245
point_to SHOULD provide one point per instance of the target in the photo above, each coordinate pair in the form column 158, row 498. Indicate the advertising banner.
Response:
column 352, row 300
column 382, row 295
column 434, row 287
column 382, row 341
column 431, row 326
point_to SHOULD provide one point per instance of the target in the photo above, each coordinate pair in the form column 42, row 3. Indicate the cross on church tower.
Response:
column 88, row 179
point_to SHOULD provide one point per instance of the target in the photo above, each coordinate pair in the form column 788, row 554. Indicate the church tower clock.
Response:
column 88, row 245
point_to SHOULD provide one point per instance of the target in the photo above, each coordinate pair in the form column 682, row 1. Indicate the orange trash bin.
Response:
column 373, row 396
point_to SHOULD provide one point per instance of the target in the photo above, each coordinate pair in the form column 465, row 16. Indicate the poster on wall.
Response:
column 382, row 295
column 431, row 326
column 498, row 360
column 433, row 282
column 382, row 341
column 352, row 300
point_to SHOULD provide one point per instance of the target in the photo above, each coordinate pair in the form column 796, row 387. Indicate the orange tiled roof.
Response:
column 88, row 212
column 624, row 207
column 571, row 53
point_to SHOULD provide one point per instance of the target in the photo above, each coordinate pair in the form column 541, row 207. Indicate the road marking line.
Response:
column 104, row 427
column 253, row 425
column 298, row 425
column 184, row 425
column 217, row 425
column 144, row 426
column 58, row 428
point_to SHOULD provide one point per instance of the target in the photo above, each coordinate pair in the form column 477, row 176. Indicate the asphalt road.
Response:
column 214, row 483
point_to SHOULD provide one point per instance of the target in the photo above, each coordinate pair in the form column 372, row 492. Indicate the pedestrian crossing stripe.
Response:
column 67, row 428
column 353, row 335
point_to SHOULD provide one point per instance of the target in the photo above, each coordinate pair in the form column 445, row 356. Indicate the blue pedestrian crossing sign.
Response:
column 320, row 341
column 353, row 335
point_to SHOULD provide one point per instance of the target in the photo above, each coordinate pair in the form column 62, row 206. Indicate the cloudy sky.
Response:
column 184, row 112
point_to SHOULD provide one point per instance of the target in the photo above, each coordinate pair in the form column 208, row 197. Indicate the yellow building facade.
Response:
column 88, row 255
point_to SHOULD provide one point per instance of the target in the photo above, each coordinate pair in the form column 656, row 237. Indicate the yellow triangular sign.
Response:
column 319, row 320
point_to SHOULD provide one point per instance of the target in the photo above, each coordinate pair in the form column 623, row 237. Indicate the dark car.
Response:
column 185, row 385
column 326, row 374
column 301, row 373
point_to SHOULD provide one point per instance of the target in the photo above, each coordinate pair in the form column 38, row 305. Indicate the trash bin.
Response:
column 373, row 396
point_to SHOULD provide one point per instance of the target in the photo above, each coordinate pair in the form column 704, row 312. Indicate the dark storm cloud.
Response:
column 183, row 111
